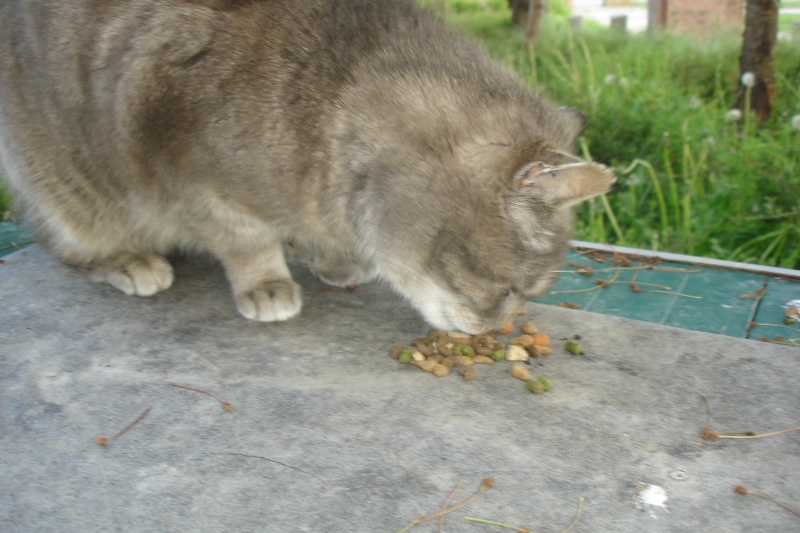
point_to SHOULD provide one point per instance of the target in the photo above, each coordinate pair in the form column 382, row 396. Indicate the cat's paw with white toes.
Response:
column 271, row 301
column 134, row 274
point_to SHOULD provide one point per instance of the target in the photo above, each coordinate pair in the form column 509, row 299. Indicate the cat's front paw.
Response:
column 134, row 274
column 271, row 301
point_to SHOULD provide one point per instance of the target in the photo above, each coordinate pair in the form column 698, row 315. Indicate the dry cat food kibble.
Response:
column 439, row 351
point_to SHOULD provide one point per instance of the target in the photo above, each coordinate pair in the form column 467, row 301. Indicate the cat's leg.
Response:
column 138, row 274
column 340, row 270
column 262, row 285
column 331, row 267
column 101, row 255
column 263, row 288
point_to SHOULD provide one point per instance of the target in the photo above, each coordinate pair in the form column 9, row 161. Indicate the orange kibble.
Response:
column 508, row 327
column 541, row 339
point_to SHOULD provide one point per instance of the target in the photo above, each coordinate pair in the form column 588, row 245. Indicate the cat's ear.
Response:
column 565, row 185
column 573, row 119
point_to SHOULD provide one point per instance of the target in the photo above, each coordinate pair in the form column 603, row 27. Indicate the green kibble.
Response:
column 546, row 383
column 467, row 350
column 457, row 349
column 499, row 354
column 535, row 386
column 575, row 348
column 405, row 357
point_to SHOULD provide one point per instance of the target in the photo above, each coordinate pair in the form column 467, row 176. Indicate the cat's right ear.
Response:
column 574, row 119
column 562, row 186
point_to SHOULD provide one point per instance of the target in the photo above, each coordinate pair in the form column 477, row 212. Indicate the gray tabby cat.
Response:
column 365, row 132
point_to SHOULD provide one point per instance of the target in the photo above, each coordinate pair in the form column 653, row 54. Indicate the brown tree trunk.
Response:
column 536, row 12
column 519, row 12
column 760, row 32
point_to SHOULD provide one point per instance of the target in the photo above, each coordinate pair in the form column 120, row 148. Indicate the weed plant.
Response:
column 692, row 179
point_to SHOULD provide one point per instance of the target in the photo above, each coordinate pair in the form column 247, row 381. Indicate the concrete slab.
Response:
column 327, row 433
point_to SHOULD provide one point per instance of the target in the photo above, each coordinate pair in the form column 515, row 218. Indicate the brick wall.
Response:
column 696, row 16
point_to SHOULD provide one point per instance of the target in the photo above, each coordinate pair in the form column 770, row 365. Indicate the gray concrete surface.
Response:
column 327, row 433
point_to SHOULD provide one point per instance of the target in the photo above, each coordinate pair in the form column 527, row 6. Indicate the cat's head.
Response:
column 470, row 228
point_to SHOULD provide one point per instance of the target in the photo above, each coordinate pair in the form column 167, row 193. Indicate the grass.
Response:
column 691, row 181
column 5, row 199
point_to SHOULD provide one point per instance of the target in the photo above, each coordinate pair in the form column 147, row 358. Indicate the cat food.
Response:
column 573, row 347
column 507, row 328
column 439, row 351
column 538, row 385
column 516, row 353
column 520, row 371
column 541, row 339
column 467, row 373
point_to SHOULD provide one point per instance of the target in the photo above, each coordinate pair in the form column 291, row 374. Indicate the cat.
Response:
column 367, row 135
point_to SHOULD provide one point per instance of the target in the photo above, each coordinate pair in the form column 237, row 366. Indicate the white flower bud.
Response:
column 749, row 79
column 734, row 115
column 795, row 122
column 610, row 79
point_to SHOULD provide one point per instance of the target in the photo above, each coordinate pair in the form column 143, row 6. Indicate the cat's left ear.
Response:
column 565, row 185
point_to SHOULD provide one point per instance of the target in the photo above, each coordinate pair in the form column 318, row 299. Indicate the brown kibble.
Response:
column 483, row 350
column 448, row 362
column 468, row 373
column 521, row 311
column 542, row 350
column 102, row 441
column 529, row 328
column 463, row 360
column 482, row 341
column 522, row 340
column 423, row 346
column 482, row 359
column 427, row 366
column 519, row 371
column 443, row 348
column 436, row 358
column 440, row 370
